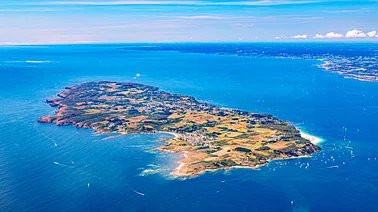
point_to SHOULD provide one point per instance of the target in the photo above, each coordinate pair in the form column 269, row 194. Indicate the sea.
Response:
column 44, row 167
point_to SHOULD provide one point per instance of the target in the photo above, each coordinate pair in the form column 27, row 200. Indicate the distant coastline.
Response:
column 356, row 65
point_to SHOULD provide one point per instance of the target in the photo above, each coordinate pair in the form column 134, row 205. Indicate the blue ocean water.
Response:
column 48, row 168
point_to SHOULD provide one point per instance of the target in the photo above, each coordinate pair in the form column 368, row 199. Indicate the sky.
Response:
column 128, row 21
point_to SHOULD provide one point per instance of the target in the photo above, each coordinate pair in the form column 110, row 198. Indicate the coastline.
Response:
column 171, row 133
column 313, row 139
column 177, row 172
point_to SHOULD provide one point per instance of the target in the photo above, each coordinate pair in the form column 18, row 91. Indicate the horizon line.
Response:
column 184, row 42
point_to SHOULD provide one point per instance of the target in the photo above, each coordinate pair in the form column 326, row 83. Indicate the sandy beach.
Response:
column 171, row 133
column 178, row 171
column 313, row 139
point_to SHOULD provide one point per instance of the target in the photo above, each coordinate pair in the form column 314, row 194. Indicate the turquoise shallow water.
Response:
column 48, row 168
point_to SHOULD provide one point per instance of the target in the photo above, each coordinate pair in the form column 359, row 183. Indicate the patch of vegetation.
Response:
column 241, row 149
column 263, row 148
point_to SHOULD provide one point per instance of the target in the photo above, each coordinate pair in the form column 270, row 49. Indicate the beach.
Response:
column 313, row 139
column 178, row 171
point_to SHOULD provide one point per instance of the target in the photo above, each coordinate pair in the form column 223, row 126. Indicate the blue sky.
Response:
column 103, row 21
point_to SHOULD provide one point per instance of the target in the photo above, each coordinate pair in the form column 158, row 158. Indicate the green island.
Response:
column 210, row 137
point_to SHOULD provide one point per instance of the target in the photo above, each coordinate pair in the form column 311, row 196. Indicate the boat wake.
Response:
column 59, row 164
column 332, row 167
column 140, row 193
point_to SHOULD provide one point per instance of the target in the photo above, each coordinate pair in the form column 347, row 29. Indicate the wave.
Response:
column 28, row 61
column 37, row 61
column 313, row 139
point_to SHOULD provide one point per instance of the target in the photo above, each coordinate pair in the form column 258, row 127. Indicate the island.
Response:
column 210, row 137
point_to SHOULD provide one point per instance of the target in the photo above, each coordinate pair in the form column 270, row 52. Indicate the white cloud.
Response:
column 319, row 36
column 282, row 37
column 334, row 35
column 372, row 34
column 355, row 34
column 328, row 35
column 350, row 34
column 300, row 36
column 292, row 37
